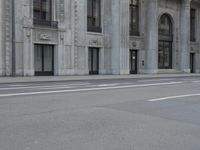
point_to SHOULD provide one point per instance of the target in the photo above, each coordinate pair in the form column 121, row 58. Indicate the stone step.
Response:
column 169, row 71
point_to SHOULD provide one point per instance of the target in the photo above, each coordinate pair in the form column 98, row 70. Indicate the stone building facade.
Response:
column 80, row 37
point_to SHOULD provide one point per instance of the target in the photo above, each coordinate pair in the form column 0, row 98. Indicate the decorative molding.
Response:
column 45, row 37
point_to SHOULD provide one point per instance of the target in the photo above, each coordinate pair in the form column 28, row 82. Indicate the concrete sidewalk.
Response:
column 90, row 77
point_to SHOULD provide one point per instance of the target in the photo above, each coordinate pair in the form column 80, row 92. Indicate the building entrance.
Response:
column 192, row 56
column 44, row 60
column 133, row 62
column 165, row 43
column 93, row 60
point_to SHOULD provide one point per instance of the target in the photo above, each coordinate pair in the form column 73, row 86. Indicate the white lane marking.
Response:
column 88, row 89
column 17, row 85
column 104, row 85
column 42, row 87
column 152, row 80
column 78, row 84
column 173, row 97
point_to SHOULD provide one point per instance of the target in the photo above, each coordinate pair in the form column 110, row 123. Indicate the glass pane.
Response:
column 46, row 12
column 133, row 61
column 97, row 13
column 160, row 55
column 166, row 55
column 192, row 24
column 42, row 9
column 134, row 21
column 95, row 60
column 38, row 58
column 89, row 12
column 93, row 13
column 48, row 58
column 36, row 4
column 90, row 60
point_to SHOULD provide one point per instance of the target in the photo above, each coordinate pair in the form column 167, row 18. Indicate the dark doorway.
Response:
column 44, row 60
column 165, row 43
column 165, row 55
column 133, row 61
column 93, row 61
column 192, row 60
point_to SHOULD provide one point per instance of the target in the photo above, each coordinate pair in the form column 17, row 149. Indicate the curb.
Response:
column 9, row 80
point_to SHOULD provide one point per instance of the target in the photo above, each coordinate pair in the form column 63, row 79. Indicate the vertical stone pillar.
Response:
column 8, row 37
column 28, row 47
column 1, row 37
column 60, row 52
column 120, row 37
column 151, row 37
column 185, row 36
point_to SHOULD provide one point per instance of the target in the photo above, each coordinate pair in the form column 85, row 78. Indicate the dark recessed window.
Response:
column 42, row 9
column 192, row 24
column 94, row 15
column 134, row 17
column 42, row 13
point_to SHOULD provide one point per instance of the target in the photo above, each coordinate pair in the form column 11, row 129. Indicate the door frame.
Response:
column 45, row 73
column 131, row 51
column 93, row 72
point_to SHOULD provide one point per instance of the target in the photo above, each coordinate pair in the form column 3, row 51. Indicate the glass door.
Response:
column 133, row 62
column 165, row 55
column 192, row 55
column 44, row 60
column 93, row 60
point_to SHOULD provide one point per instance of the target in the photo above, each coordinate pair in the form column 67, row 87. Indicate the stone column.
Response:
column 151, row 37
column 1, row 37
column 28, row 47
column 120, row 37
column 185, row 36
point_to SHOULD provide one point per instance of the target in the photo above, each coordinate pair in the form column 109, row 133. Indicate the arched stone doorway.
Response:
column 165, row 42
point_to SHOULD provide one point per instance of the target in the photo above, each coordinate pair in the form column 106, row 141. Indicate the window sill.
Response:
column 94, row 29
column 45, row 23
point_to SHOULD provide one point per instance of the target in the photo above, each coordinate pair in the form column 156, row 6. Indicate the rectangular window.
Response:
column 94, row 15
column 42, row 13
column 42, row 9
column 192, row 24
column 134, row 17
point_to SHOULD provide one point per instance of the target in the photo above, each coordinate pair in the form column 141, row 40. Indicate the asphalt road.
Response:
column 125, row 114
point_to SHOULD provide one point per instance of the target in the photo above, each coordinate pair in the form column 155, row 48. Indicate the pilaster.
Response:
column 79, row 36
column 1, row 38
column 8, row 37
column 120, row 37
column 28, row 53
column 185, row 36
column 151, row 37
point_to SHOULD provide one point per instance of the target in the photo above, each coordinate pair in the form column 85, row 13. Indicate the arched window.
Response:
column 165, row 25
column 134, row 17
